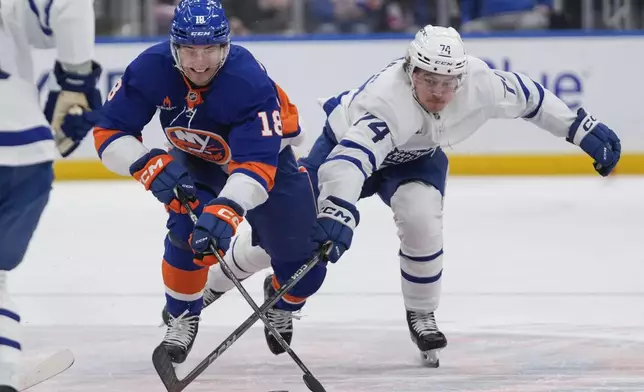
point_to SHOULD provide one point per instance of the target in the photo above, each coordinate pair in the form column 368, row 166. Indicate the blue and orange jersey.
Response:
column 238, row 120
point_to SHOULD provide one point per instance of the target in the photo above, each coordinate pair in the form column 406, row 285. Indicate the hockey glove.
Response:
column 597, row 140
column 71, row 95
column 336, row 221
column 218, row 223
column 161, row 175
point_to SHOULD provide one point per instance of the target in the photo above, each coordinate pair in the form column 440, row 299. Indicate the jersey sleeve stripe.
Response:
column 293, row 134
column 541, row 95
column 103, row 137
column 261, row 172
column 28, row 136
column 289, row 114
column 355, row 161
column 261, row 180
column 351, row 144
column 526, row 92
column 44, row 26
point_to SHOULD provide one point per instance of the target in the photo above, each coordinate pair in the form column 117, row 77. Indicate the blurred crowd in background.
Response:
column 292, row 17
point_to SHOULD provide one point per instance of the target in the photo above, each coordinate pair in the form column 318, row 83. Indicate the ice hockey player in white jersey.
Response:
column 28, row 144
column 385, row 138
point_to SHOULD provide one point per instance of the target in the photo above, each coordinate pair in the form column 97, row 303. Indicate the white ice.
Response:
column 543, row 291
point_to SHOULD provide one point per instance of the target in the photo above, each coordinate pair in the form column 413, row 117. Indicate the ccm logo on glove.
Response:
column 227, row 214
column 337, row 213
column 152, row 169
column 588, row 124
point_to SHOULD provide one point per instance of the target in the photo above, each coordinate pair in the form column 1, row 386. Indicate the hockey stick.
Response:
column 46, row 369
column 162, row 362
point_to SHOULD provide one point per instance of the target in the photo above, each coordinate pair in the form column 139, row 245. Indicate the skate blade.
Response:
column 430, row 358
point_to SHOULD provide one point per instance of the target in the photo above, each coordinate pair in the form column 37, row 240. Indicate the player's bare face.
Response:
column 201, row 62
column 433, row 91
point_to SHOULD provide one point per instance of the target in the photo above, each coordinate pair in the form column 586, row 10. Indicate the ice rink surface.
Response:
column 543, row 291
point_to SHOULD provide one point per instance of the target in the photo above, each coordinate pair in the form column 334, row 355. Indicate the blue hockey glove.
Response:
column 77, row 123
column 597, row 140
column 71, row 95
column 336, row 221
column 161, row 175
column 218, row 223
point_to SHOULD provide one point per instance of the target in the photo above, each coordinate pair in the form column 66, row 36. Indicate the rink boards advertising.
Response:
column 581, row 70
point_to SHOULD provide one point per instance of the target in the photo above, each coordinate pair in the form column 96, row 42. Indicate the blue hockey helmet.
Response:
column 200, row 22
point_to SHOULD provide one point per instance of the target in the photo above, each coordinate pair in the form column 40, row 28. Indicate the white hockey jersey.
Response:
column 381, row 123
column 68, row 26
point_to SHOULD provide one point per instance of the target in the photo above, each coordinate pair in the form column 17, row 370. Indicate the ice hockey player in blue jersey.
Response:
column 230, row 128
column 30, row 139
column 385, row 138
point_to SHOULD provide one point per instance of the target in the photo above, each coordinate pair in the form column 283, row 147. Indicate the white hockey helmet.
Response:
column 439, row 50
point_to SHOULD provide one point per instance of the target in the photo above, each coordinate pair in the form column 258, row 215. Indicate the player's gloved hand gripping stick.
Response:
column 161, row 359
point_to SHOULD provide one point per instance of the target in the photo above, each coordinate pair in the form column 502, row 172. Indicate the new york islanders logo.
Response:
column 206, row 145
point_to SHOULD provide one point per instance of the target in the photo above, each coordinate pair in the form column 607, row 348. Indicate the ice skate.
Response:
column 425, row 334
column 282, row 320
column 209, row 296
column 180, row 336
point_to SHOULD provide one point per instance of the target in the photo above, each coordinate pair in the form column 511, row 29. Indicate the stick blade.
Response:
column 312, row 383
column 165, row 369
column 50, row 367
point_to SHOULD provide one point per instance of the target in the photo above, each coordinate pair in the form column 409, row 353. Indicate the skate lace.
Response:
column 423, row 323
column 181, row 329
column 281, row 319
